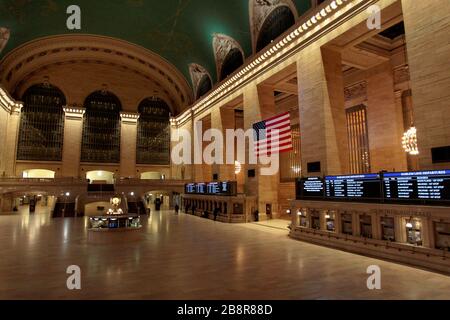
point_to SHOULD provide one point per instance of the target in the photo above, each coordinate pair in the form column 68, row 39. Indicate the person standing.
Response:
column 177, row 209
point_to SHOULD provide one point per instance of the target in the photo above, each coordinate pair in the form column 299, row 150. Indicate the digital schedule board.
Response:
column 364, row 187
column 214, row 188
column 425, row 186
column 200, row 188
column 310, row 188
column 189, row 188
column 226, row 188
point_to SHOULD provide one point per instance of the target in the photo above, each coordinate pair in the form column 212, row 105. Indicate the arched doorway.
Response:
column 38, row 174
column 100, row 177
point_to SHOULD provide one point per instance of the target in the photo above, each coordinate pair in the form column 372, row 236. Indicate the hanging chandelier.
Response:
column 409, row 141
column 237, row 167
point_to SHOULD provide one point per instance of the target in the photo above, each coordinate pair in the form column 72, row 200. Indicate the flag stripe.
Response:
column 273, row 135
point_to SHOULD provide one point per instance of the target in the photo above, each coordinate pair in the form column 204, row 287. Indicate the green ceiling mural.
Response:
column 179, row 30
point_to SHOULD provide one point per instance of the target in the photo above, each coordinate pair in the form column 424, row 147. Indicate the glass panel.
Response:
column 153, row 138
column 101, row 129
column 358, row 140
column 290, row 162
column 41, row 132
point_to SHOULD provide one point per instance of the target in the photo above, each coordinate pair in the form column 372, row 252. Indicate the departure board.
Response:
column 200, row 188
column 214, row 188
column 312, row 187
column 417, row 186
column 365, row 186
column 226, row 188
column 189, row 188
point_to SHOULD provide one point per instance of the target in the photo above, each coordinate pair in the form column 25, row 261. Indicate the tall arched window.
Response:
column 276, row 23
column 204, row 86
column 41, row 132
column 153, row 138
column 231, row 63
column 101, row 128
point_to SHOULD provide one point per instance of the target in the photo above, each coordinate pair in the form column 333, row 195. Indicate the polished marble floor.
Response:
column 185, row 257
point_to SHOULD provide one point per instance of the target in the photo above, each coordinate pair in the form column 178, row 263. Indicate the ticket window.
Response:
column 303, row 219
column 330, row 219
column 414, row 232
column 315, row 220
column 387, row 229
column 347, row 224
column 442, row 231
column 365, row 224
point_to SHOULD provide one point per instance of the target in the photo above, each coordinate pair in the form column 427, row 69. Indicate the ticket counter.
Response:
column 221, row 208
column 416, row 235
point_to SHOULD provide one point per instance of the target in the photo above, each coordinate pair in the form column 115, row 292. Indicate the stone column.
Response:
column 427, row 29
column 73, row 130
column 322, row 110
column 128, row 138
column 223, row 119
column 259, row 104
column 384, row 121
column 12, row 136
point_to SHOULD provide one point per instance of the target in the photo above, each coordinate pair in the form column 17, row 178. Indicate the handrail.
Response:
column 43, row 180
column 134, row 181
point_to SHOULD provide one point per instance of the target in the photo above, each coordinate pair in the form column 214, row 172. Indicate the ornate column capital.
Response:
column 74, row 111
column 129, row 117
column 9, row 104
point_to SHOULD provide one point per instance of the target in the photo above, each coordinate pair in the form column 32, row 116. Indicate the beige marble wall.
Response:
column 319, row 129
column 427, row 26
column 73, row 130
column 4, row 115
column 385, row 121
column 11, row 143
column 259, row 104
column 128, row 136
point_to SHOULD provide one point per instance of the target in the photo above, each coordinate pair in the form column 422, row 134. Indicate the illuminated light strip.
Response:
column 244, row 73
column 128, row 117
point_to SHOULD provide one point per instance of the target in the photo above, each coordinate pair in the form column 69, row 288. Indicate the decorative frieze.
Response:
column 401, row 74
column 222, row 45
column 197, row 72
column 261, row 9
column 355, row 91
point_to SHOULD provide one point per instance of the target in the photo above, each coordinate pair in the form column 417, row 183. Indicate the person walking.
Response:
column 216, row 213
column 177, row 209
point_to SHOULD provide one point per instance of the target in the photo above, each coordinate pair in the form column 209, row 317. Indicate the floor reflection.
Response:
column 186, row 257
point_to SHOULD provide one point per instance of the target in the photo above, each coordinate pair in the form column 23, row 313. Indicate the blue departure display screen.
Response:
column 365, row 186
column 417, row 186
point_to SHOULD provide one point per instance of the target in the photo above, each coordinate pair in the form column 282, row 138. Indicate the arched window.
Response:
column 41, row 124
column 276, row 23
column 153, row 138
column 101, row 128
column 204, row 86
column 231, row 63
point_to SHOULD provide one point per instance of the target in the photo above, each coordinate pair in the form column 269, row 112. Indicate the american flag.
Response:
column 266, row 143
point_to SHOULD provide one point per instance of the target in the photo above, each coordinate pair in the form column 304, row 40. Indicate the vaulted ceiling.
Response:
column 181, row 31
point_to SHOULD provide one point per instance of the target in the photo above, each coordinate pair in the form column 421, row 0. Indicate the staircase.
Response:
column 137, row 207
column 64, row 209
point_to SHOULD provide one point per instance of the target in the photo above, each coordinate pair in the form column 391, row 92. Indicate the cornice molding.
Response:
column 307, row 30
column 8, row 104
column 42, row 52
